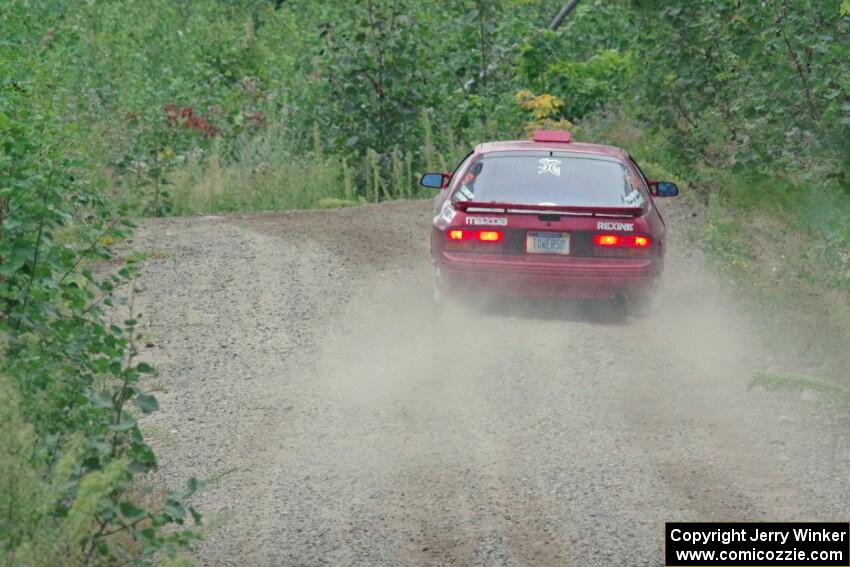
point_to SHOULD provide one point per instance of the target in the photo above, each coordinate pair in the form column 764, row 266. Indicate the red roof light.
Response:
column 560, row 136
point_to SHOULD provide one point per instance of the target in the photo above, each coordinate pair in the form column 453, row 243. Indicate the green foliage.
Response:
column 725, row 237
column 735, row 84
column 368, row 65
column 586, row 63
column 750, row 85
column 589, row 84
column 806, row 219
column 777, row 381
column 71, row 447
column 214, row 184
column 751, row 104
column 186, row 86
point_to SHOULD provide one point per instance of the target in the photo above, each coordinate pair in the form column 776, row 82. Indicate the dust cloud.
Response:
column 368, row 427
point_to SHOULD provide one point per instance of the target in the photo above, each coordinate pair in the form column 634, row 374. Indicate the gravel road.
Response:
column 340, row 420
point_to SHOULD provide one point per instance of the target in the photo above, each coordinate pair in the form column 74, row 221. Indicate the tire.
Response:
column 439, row 294
column 644, row 304
column 642, row 307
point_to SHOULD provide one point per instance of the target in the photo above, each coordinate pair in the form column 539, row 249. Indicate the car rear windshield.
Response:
column 540, row 178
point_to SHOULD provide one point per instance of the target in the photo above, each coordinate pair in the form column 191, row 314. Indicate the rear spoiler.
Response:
column 571, row 209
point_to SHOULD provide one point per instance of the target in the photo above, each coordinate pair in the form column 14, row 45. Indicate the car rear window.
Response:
column 540, row 178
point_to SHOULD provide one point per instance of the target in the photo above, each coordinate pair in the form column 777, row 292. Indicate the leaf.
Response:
column 130, row 510
column 102, row 400
column 146, row 403
column 175, row 510
column 125, row 424
column 192, row 486
column 145, row 368
column 138, row 467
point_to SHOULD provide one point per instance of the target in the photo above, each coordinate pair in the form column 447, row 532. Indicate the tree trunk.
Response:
column 559, row 19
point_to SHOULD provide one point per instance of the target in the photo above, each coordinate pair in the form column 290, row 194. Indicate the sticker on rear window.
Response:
column 634, row 198
column 464, row 193
column 547, row 165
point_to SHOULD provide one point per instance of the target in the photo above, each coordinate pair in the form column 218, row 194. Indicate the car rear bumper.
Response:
column 547, row 277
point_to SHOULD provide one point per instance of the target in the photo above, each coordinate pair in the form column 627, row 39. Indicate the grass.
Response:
column 249, row 183
column 787, row 242
column 792, row 233
column 267, row 171
column 272, row 169
column 776, row 381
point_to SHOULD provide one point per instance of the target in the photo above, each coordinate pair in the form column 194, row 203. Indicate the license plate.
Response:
column 547, row 243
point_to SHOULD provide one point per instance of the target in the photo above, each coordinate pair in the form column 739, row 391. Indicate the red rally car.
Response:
column 548, row 217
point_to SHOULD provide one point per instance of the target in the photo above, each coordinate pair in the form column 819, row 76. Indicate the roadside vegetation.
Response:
column 111, row 110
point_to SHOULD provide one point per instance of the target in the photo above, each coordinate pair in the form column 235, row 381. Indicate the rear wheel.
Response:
column 645, row 303
column 439, row 294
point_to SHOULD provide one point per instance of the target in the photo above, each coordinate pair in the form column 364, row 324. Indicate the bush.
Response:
column 71, row 451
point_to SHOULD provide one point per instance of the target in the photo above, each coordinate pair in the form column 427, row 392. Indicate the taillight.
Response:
column 621, row 245
column 619, row 241
column 607, row 240
column 463, row 235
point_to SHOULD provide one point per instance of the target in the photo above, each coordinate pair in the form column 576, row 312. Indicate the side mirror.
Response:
column 435, row 180
column 664, row 189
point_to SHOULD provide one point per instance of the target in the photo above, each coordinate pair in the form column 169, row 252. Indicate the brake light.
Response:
column 607, row 240
column 460, row 235
column 618, row 241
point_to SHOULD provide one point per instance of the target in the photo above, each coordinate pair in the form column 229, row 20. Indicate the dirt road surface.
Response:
column 339, row 420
